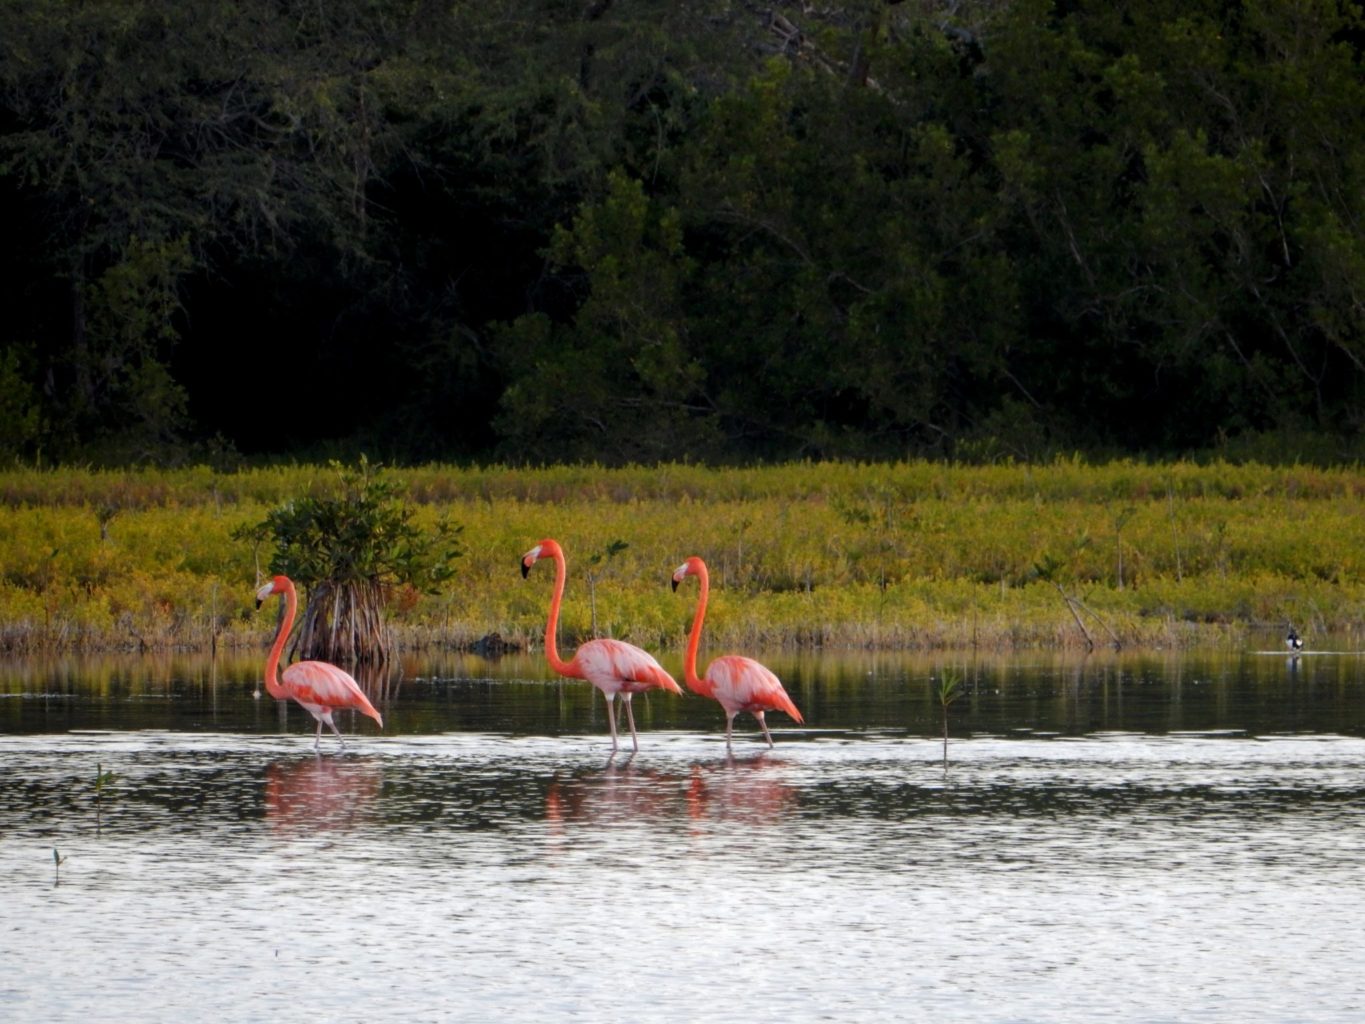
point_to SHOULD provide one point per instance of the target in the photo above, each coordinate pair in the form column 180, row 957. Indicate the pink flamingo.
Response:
column 738, row 683
column 316, row 685
column 614, row 667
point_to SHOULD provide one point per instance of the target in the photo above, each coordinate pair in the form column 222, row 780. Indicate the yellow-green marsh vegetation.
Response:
column 901, row 555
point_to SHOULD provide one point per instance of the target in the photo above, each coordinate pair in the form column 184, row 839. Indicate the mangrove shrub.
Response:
column 352, row 552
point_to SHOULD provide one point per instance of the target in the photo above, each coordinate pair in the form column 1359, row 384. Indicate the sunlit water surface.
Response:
column 1113, row 868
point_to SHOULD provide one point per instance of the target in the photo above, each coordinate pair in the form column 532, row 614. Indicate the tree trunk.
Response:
column 345, row 624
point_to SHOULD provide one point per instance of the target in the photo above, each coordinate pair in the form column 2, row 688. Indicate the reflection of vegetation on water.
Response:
column 1043, row 691
column 103, row 780
column 893, row 556
column 1072, row 694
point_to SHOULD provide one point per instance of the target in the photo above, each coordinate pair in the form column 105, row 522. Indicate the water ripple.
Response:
column 1197, row 877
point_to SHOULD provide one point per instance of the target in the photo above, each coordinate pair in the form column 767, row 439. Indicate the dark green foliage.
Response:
column 362, row 533
column 628, row 232
column 618, row 382
column 19, row 423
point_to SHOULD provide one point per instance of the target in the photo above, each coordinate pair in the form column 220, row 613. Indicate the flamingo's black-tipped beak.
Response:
column 675, row 585
column 525, row 569
column 258, row 604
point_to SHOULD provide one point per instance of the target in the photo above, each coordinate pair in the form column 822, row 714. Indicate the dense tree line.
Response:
column 718, row 230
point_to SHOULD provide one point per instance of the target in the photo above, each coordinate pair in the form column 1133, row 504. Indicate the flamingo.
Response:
column 316, row 685
column 738, row 683
column 613, row 666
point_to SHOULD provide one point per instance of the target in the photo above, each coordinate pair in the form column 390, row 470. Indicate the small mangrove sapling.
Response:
column 602, row 558
column 949, row 689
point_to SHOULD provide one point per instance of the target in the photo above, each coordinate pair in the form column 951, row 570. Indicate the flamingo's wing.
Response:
column 623, row 663
column 744, row 684
column 316, row 682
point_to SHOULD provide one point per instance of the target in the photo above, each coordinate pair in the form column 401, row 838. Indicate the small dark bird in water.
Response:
column 1292, row 641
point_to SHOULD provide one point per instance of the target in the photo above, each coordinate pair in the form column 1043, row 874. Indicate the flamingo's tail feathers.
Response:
column 364, row 706
column 789, row 706
column 666, row 682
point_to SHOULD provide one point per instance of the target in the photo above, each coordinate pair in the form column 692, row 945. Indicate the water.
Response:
column 1132, row 839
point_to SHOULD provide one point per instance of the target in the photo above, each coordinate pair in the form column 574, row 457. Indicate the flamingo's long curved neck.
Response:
column 694, row 683
column 272, row 663
column 564, row 668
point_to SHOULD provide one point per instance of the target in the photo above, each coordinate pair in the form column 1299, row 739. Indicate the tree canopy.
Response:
column 584, row 230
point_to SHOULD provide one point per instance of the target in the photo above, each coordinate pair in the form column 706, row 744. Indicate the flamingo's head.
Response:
column 278, row 585
column 694, row 566
column 545, row 549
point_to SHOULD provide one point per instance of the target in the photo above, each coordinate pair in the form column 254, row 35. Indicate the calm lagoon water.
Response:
column 1128, row 838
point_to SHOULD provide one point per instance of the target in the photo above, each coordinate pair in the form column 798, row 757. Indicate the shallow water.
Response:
column 1250, row 692
column 1121, row 839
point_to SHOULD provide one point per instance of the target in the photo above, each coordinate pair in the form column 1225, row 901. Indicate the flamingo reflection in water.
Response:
column 317, row 793
column 750, row 790
column 747, row 790
column 319, row 687
column 619, row 793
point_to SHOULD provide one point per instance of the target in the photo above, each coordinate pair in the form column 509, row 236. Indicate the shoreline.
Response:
column 416, row 642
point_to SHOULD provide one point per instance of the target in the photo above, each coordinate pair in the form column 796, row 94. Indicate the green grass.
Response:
column 913, row 555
